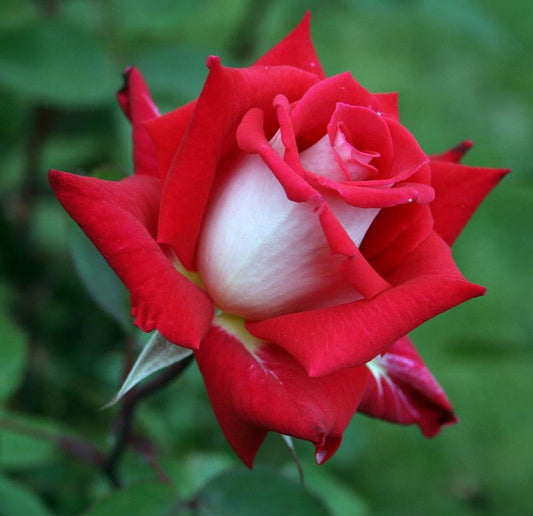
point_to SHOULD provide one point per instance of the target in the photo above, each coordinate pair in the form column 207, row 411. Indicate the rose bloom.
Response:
column 287, row 228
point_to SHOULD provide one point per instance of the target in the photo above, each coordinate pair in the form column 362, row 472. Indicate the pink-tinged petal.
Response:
column 227, row 95
column 264, row 390
column 120, row 218
column 252, row 140
column 312, row 113
column 288, row 138
column 459, row 191
column 408, row 173
column 167, row 131
column 378, row 197
column 388, row 104
column 262, row 255
column 136, row 102
column 356, row 270
column 455, row 154
column 403, row 390
column 426, row 283
column 296, row 50
column 367, row 132
column 409, row 158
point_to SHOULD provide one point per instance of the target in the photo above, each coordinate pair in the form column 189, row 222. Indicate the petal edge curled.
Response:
column 120, row 218
column 402, row 390
column 136, row 102
column 426, row 283
column 267, row 390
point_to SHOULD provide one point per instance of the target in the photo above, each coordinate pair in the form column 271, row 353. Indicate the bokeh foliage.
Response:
column 463, row 70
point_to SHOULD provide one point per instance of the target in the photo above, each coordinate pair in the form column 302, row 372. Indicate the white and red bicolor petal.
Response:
column 402, row 390
column 385, row 159
column 312, row 113
column 359, row 135
column 459, row 191
column 424, row 284
column 227, row 95
column 268, row 239
column 264, row 389
column 136, row 102
column 120, row 218
column 260, row 254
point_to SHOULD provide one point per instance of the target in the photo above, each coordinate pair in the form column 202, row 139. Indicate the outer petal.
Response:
column 403, row 390
column 296, row 49
column 227, row 95
column 120, row 218
column 167, row 131
column 253, row 393
column 459, row 189
column 136, row 102
column 388, row 104
column 427, row 283
column 455, row 154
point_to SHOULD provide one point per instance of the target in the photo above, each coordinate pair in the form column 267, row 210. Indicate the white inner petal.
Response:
column 261, row 255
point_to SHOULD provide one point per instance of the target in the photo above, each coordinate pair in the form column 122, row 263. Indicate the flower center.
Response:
column 262, row 255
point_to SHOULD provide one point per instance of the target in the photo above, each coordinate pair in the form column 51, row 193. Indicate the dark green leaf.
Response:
column 163, row 67
column 26, row 441
column 153, row 498
column 16, row 13
column 16, row 499
column 99, row 279
column 261, row 492
column 12, row 357
column 190, row 473
column 56, row 63
column 337, row 497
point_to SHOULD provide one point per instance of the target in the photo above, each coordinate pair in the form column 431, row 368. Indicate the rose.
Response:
column 303, row 211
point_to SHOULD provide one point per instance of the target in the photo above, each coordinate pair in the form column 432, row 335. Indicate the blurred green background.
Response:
column 463, row 69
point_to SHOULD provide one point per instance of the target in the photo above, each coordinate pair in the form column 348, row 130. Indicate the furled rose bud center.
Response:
column 262, row 255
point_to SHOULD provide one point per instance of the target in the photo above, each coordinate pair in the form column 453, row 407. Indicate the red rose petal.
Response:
column 296, row 49
column 313, row 111
column 454, row 154
column 459, row 191
column 227, row 95
column 252, row 140
column 120, row 218
column 388, row 104
column 355, row 269
column 403, row 390
column 427, row 283
column 167, row 131
column 254, row 393
column 367, row 132
column 395, row 233
column 136, row 102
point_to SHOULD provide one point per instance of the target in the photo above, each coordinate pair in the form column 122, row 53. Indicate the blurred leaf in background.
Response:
column 463, row 70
